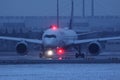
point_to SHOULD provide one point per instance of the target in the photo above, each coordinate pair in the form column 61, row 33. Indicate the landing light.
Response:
column 50, row 53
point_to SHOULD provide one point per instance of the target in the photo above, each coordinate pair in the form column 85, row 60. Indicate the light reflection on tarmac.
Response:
column 60, row 72
column 35, row 55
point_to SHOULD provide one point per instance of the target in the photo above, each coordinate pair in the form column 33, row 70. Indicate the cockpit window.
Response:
column 50, row 36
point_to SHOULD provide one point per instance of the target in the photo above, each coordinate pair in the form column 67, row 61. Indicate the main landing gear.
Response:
column 41, row 54
column 78, row 54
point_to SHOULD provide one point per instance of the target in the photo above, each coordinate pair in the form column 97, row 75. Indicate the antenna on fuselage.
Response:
column 58, row 13
column 72, row 14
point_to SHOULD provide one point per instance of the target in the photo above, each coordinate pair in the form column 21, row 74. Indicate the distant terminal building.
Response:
column 40, row 23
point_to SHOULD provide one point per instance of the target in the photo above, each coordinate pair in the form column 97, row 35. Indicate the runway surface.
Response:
column 60, row 72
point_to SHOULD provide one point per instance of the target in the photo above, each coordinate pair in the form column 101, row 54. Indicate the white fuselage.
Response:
column 58, row 38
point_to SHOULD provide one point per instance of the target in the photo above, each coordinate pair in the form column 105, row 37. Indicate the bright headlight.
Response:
column 50, row 53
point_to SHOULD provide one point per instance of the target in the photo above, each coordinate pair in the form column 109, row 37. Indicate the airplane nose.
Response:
column 50, row 42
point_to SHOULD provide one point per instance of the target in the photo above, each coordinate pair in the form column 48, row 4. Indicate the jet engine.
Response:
column 22, row 48
column 94, row 48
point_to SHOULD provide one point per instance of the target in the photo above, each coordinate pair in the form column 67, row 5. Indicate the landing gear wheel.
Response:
column 77, row 55
column 40, row 55
column 82, row 55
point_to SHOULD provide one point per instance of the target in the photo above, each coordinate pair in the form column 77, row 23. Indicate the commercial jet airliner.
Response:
column 56, row 41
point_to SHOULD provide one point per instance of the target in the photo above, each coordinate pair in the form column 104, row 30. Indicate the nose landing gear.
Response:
column 40, row 55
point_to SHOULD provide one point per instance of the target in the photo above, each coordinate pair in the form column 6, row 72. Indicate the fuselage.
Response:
column 58, row 38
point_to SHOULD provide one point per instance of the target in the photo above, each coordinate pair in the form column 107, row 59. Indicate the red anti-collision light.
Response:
column 53, row 27
column 60, row 51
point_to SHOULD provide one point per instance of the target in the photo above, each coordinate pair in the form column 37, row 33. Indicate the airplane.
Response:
column 56, row 41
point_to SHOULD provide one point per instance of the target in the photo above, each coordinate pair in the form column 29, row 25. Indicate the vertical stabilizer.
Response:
column 72, row 14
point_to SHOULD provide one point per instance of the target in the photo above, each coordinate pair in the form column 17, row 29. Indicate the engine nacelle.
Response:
column 22, row 48
column 94, row 48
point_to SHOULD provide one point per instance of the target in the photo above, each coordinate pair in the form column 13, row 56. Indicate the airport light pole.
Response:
column 58, row 13
column 83, row 13
column 92, row 8
column 72, row 15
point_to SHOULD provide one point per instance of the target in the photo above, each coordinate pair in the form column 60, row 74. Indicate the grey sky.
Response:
column 48, row 7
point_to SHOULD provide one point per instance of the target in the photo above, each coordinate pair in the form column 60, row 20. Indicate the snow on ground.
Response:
column 60, row 72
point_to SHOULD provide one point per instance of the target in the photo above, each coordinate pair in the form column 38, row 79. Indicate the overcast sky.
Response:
column 48, row 7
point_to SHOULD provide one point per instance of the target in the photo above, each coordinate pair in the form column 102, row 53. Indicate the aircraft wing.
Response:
column 21, row 39
column 95, row 39
column 86, row 33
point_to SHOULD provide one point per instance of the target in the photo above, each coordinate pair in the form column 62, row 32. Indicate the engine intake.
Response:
column 21, row 48
column 94, row 48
